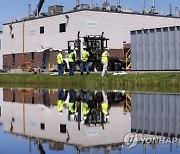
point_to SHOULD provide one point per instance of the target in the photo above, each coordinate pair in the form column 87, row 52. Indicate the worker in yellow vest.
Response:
column 72, row 108
column 72, row 59
column 85, row 97
column 72, row 105
column 60, row 102
column 85, row 57
column 105, row 106
column 60, row 62
column 60, row 105
column 104, row 61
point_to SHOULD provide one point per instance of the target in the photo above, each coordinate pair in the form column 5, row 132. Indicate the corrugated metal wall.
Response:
column 156, row 49
column 156, row 114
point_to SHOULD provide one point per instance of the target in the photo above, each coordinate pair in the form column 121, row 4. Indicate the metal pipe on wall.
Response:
column 118, row 3
column 29, row 10
column 144, row 4
column 77, row 2
column 170, row 9
column 153, row 3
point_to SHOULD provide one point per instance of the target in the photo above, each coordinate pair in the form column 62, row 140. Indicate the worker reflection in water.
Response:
column 104, row 61
column 85, row 57
column 60, row 102
column 72, row 105
column 105, row 106
column 85, row 97
column 40, row 147
column 72, row 57
column 12, row 123
column 60, row 63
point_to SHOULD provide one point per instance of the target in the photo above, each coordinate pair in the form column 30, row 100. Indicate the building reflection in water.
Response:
column 89, row 120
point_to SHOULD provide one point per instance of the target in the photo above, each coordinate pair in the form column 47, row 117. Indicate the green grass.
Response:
column 151, row 82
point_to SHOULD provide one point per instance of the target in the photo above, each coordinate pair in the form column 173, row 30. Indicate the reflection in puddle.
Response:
column 88, row 120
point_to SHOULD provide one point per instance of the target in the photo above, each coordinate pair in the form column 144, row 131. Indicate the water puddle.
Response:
column 81, row 121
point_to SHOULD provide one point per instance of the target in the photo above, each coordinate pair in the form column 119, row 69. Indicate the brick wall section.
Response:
column 7, row 60
column 116, row 53
column 53, row 97
column 38, row 58
column 38, row 99
column 28, row 96
column 18, row 60
column 18, row 96
column 52, row 57
column 7, row 95
column 127, row 46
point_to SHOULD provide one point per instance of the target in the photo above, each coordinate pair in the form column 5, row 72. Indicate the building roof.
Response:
column 74, row 11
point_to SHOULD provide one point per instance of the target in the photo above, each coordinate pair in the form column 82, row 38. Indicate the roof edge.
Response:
column 105, row 11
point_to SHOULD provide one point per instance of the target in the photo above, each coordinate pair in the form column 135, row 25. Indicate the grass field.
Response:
column 151, row 82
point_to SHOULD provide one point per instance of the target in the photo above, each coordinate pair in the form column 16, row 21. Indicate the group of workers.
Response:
column 72, row 59
column 88, row 105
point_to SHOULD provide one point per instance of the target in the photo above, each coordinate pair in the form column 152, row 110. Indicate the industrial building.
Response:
column 25, row 41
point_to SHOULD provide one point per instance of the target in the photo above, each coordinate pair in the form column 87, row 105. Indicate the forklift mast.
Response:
column 95, row 45
column 39, row 6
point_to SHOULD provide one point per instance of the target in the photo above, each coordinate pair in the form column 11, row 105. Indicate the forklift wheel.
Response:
column 97, row 66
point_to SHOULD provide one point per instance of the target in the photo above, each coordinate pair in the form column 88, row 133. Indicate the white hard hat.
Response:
column 85, row 117
column 76, row 48
column 60, row 50
column 106, row 48
column 72, row 48
column 84, row 46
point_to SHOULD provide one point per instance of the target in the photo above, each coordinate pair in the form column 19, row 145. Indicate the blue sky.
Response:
column 12, row 9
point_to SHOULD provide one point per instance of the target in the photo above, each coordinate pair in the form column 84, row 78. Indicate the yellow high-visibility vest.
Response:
column 71, row 107
column 59, row 58
column 85, row 109
column 104, row 57
column 70, row 57
column 85, row 55
column 104, row 107
column 60, row 105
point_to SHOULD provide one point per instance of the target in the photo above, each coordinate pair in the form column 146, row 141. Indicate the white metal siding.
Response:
column 114, row 132
column 116, row 27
